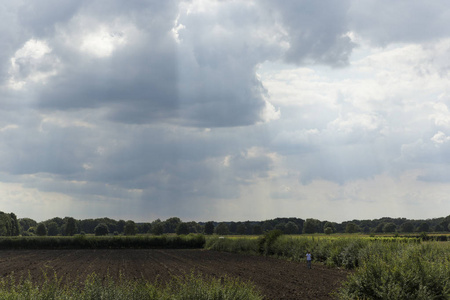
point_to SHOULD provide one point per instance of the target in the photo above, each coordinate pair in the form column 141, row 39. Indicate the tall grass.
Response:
column 95, row 287
column 385, row 268
column 335, row 252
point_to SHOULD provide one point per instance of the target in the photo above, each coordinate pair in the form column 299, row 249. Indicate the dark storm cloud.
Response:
column 206, row 76
column 137, row 82
column 160, row 102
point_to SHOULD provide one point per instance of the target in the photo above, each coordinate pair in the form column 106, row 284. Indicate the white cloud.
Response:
column 440, row 138
column 32, row 63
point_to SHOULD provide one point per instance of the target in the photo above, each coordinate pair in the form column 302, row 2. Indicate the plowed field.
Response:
column 276, row 279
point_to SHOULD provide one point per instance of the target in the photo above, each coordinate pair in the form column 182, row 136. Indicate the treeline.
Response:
column 68, row 226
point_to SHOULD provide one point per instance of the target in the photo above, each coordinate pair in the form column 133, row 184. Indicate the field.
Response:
column 274, row 278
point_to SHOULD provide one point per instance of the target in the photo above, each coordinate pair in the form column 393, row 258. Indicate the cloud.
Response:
column 205, row 108
column 384, row 22
column 316, row 32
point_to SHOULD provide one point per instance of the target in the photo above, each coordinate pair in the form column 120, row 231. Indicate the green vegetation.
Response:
column 400, row 271
column 103, row 242
column 68, row 226
column 385, row 267
column 94, row 287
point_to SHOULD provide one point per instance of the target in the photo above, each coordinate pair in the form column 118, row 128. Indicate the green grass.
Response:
column 94, row 287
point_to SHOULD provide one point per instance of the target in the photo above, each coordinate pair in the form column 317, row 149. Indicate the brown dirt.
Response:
column 276, row 279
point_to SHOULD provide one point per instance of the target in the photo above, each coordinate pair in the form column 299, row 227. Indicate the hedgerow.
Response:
column 103, row 242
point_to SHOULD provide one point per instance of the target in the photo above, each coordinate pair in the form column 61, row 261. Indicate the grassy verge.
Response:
column 94, row 287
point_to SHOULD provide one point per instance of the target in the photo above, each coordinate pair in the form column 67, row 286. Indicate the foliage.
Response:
column 130, row 228
column 157, row 228
column 291, row 228
column 182, row 228
column 103, row 242
column 9, row 225
column 209, row 227
column 52, row 229
column 170, row 225
column 401, row 271
column 222, row 229
column 191, row 286
column 385, row 267
column 312, row 226
column 389, row 227
column 41, row 229
column 70, row 226
column 351, row 228
column 267, row 240
column 235, row 245
column 248, row 227
column 101, row 229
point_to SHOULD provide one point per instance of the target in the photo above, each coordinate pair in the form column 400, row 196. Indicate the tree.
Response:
column 41, row 229
column 291, row 228
column 280, row 226
column 379, row 228
column 257, row 229
column 407, row 227
column 423, row 227
column 71, row 226
column 26, row 223
column 182, row 228
column 351, row 228
column 329, row 225
column 157, row 228
column 101, row 229
column 209, row 227
column 15, row 230
column 241, row 229
column 120, row 226
column 130, row 228
column 222, row 229
column 170, row 225
column 311, row 226
column 328, row 230
column 52, row 229
column 389, row 227
column 144, row 227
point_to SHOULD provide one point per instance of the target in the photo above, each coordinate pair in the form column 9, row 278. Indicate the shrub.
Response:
column 401, row 271
column 267, row 240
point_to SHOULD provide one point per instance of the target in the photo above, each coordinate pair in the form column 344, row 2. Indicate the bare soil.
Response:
column 275, row 278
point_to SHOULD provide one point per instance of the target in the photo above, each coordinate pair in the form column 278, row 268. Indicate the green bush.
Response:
column 267, row 240
column 401, row 271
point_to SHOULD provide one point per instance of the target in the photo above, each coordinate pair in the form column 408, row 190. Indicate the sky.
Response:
column 227, row 110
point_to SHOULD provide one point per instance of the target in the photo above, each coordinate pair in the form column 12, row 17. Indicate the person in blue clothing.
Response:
column 308, row 259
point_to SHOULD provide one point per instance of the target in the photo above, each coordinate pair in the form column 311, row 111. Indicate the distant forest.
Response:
column 10, row 225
